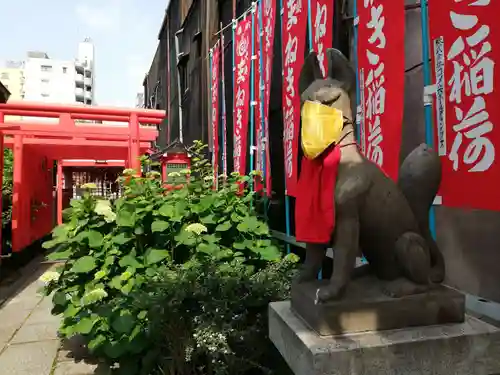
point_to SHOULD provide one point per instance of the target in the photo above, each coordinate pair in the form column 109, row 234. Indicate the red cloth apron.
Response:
column 314, row 205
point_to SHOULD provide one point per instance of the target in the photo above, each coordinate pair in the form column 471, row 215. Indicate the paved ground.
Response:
column 28, row 332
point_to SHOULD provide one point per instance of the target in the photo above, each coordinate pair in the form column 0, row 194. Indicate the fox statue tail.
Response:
column 419, row 180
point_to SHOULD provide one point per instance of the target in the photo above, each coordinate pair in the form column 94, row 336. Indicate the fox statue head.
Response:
column 336, row 90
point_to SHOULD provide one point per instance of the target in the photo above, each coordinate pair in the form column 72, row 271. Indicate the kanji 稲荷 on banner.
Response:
column 293, row 25
column 463, row 41
column 241, row 114
column 381, row 67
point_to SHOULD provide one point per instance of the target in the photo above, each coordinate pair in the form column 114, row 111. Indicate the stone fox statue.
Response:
column 385, row 220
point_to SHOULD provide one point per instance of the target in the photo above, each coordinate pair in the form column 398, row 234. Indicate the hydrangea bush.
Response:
column 120, row 258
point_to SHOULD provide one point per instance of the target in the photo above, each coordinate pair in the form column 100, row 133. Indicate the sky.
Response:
column 124, row 33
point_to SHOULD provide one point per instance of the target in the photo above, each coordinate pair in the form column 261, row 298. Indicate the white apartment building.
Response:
column 60, row 81
column 49, row 80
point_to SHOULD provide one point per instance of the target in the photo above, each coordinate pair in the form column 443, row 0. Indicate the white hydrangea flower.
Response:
column 197, row 228
column 49, row 276
column 103, row 208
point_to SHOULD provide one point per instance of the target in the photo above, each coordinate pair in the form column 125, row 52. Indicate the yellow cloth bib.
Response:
column 321, row 127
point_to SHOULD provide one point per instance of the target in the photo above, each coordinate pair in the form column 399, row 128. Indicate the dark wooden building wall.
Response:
column 194, row 120
column 162, row 96
column 185, row 19
column 155, row 88
column 154, row 81
column 174, row 23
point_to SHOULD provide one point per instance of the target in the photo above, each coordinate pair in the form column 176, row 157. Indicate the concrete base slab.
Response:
column 468, row 348
column 365, row 307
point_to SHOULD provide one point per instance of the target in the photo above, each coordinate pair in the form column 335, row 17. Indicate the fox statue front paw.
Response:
column 330, row 292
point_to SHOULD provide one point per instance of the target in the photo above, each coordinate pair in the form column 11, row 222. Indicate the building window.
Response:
column 183, row 77
column 65, row 70
column 4, row 75
column 198, row 44
column 183, row 73
column 88, row 102
column 46, row 68
column 88, row 74
column 88, row 88
column 45, row 95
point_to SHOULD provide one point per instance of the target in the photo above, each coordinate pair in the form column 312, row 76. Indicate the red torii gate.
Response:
column 37, row 144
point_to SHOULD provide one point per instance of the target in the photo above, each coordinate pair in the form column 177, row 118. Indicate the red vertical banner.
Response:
column 242, row 92
column 214, row 89
column 463, row 35
column 322, row 18
column 381, row 68
column 264, row 52
column 259, row 130
column 268, row 24
column 294, row 26
column 224, row 114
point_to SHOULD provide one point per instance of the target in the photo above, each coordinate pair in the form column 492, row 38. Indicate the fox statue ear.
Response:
column 340, row 69
column 310, row 72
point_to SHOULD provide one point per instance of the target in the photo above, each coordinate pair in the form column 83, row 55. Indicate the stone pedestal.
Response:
column 468, row 348
column 365, row 307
